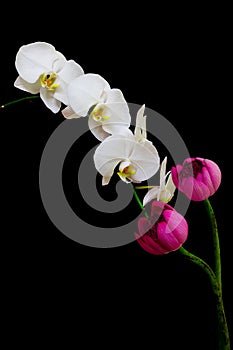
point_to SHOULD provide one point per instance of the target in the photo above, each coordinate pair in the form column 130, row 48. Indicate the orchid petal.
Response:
column 34, row 59
column 144, row 225
column 150, row 246
column 176, row 224
column 215, row 173
column 170, row 186
column 163, row 171
column 60, row 93
column 144, row 157
column 49, row 100
column 59, row 62
column 105, row 180
column 110, row 152
column 166, row 237
column 86, row 91
column 70, row 71
column 33, row 88
column 140, row 129
column 151, row 194
column 97, row 129
column 69, row 113
column 118, row 111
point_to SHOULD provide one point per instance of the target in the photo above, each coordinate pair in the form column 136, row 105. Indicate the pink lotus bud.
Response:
column 198, row 178
column 165, row 231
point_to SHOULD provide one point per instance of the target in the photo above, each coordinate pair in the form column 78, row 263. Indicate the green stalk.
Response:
column 19, row 100
column 139, row 202
column 216, row 243
column 223, row 334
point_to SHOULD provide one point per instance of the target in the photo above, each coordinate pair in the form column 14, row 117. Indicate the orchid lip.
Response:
column 125, row 172
column 47, row 80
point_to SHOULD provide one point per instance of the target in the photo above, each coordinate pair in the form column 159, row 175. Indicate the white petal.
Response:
column 49, row 100
column 60, row 93
column 34, row 59
column 118, row 111
column 140, row 129
column 110, row 152
column 170, row 187
column 86, row 91
column 144, row 157
column 115, row 96
column 115, row 147
column 70, row 71
column 164, row 196
column 106, row 169
column 59, row 62
column 69, row 113
column 163, row 176
column 163, row 170
column 151, row 194
column 105, row 180
column 97, row 129
column 25, row 86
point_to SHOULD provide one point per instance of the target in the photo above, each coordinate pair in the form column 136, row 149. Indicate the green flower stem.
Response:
column 19, row 100
column 216, row 244
column 224, row 340
column 139, row 202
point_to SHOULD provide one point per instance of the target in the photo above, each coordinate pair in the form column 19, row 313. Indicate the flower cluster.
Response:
column 61, row 82
column 63, row 86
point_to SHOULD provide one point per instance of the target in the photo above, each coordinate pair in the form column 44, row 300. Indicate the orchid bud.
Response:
column 164, row 231
column 197, row 178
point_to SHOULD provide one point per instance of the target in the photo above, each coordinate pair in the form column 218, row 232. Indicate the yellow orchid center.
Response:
column 126, row 172
column 98, row 114
column 47, row 81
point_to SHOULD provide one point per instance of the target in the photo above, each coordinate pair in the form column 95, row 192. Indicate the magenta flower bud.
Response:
column 164, row 231
column 197, row 178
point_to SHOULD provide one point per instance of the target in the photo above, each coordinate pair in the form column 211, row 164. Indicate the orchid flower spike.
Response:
column 90, row 95
column 46, row 71
column 136, row 157
column 165, row 191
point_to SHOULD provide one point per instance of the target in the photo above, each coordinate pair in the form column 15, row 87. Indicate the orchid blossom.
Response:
column 165, row 191
column 136, row 156
column 46, row 71
column 90, row 95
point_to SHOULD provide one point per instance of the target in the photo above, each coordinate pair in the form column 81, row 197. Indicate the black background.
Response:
column 175, row 61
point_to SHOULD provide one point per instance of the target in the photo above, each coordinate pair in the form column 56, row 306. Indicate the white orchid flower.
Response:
column 165, row 191
column 46, row 71
column 90, row 95
column 137, row 157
